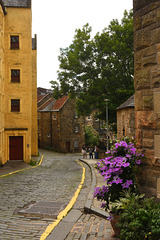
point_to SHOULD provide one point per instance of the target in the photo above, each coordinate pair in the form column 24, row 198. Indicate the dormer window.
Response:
column 14, row 42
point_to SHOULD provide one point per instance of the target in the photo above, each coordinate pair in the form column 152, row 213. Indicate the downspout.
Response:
column 51, row 128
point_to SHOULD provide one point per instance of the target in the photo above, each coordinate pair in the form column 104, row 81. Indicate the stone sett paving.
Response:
column 55, row 180
column 91, row 227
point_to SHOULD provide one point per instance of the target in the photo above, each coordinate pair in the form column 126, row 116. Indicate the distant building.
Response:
column 59, row 127
column 126, row 119
column 18, row 82
column 43, row 91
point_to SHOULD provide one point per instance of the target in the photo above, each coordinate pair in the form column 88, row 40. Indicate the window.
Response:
column 15, row 76
column 76, row 144
column 15, row 105
column 14, row 42
column 75, row 115
column 76, row 129
column 54, row 116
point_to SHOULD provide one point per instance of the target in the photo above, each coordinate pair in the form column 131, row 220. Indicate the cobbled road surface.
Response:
column 54, row 181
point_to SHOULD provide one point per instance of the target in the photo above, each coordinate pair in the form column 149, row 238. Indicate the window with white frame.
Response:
column 54, row 116
column 75, row 115
column 76, row 130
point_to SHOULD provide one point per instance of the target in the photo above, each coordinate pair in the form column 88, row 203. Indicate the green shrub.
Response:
column 33, row 162
column 140, row 220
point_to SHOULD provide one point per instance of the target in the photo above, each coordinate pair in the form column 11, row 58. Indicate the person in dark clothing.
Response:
column 90, row 152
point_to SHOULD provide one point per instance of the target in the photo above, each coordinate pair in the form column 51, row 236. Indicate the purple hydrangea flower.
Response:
column 127, row 184
column 138, row 162
column 109, row 218
column 103, row 205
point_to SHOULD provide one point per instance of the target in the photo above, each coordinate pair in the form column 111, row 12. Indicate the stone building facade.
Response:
column 147, row 90
column 18, row 82
column 59, row 127
column 126, row 119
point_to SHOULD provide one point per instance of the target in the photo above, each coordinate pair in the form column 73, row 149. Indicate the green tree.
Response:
column 95, row 69
column 91, row 136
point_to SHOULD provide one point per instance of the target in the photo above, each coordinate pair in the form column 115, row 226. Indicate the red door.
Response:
column 16, row 148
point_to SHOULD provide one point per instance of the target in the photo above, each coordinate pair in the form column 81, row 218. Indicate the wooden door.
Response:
column 67, row 146
column 16, row 148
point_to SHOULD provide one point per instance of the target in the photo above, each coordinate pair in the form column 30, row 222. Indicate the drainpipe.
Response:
column 51, row 127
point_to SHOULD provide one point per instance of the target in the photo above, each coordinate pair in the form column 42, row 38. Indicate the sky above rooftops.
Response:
column 55, row 22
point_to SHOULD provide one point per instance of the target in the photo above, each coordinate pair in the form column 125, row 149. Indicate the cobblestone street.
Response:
column 54, row 181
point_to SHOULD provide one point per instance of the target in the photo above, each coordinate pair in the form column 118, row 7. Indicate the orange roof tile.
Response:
column 59, row 103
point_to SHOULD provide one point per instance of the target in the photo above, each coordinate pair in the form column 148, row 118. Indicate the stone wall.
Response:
column 147, row 89
column 68, row 130
column 125, row 123
column 44, row 129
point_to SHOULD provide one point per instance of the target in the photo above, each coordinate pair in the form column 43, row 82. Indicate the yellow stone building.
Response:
column 18, row 82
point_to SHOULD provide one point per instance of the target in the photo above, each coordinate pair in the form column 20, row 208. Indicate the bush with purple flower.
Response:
column 119, row 170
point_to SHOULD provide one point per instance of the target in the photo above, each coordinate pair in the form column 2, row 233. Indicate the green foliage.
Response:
column 140, row 220
column 95, row 69
column 33, row 162
column 91, row 136
column 127, row 197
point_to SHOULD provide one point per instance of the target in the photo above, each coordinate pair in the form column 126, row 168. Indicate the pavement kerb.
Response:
column 88, row 208
column 20, row 170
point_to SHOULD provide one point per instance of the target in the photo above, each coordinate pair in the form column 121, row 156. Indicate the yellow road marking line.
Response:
column 63, row 213
column 23, row 168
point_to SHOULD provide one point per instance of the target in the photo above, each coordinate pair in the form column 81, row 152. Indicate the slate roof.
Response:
column 39, row 97
column 42, row 100
column 47, row 106
column 59, row 103
column 127, row 104
column 17, row 3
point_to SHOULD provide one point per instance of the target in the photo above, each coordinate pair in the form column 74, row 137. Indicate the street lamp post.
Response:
column 106, row 101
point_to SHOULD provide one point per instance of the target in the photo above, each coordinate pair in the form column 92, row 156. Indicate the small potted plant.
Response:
column 119, row 170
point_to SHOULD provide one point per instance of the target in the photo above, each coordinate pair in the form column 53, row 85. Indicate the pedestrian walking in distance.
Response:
column 84, row 151
column 90, row 152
